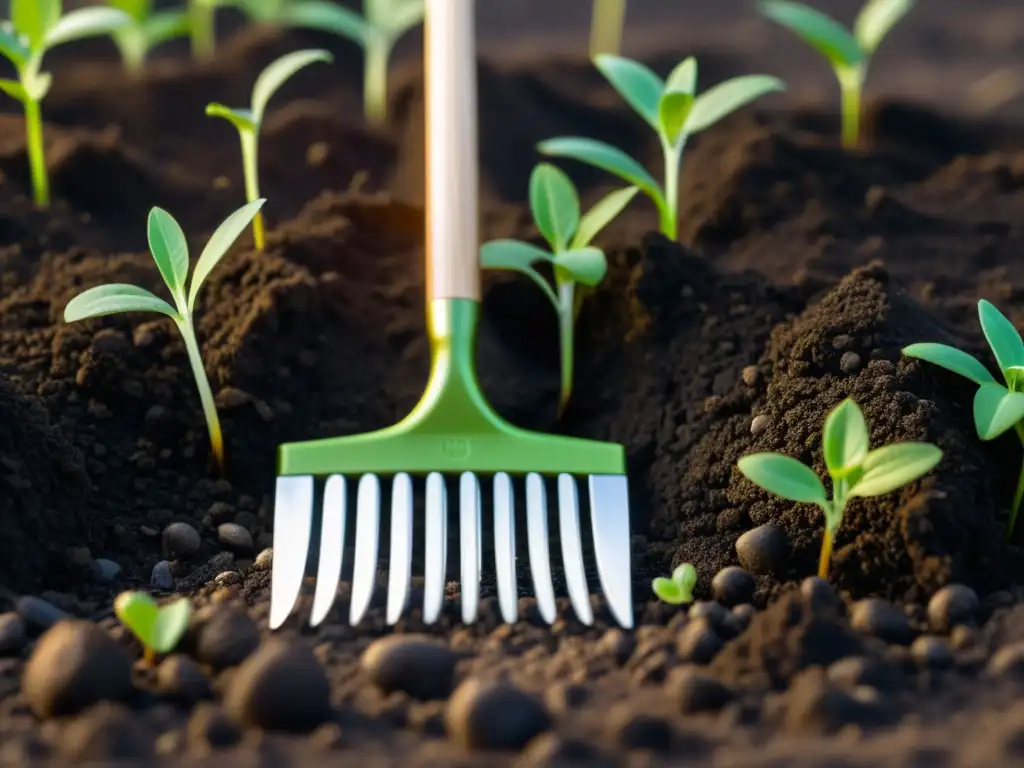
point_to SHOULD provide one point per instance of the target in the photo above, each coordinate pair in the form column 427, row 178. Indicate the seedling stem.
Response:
column 195, row 361
column 606, row 23
column 36, row 156
column 250, row 141
column 375, row 79
column 202, row 28
column 851, row 85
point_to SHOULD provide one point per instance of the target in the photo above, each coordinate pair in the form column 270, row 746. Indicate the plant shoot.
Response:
column 169, row 249
column 997, row 408
column 202, row 27
column 35, row 27
column 606, row 24
column 848, row 52
column 855, row 469
column 675, row 112
column 158, row 628
column 555, row 205
column 146, row 30
column 248, row 122
column 677, row 589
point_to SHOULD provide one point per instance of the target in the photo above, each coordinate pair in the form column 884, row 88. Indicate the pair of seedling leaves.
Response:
column 158, row 628
column 678, row 588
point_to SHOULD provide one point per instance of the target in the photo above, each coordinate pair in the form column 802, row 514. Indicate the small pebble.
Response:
column 732, row 586
column 963, row 636
column 107, row 734
column 742, row 614
column 494, row 716
column 552, row 749
column 264, row 560
column 850, row 362
column 38, row 614
column 855, row 671
column 696, row 692
column 697, row 642
column 105, row 570
column 161, row 577
column 763, row 550
column 181, row 541
column 12, row 634
column 931, row 651
column 715, row 613
column 180, row 678
column 750, row 375
column 881, row 619
column 281, row 687
column 209, row 727
column 952, row 605
column 235, row 538
column 634, row 730
column 759, row 424
column 227, row 638
column 617, row 644
column 819, row 596
column 1007, row 661
column 418, row 665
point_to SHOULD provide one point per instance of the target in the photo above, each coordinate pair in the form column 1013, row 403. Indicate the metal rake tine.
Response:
column 505, row 547
column 332, row 548
column 537, row 539
column 293, row 522
column 400, row 560
column 364, row 570
column 469, row 542
column 572, row 548
column 609, row 518
column 436, row 555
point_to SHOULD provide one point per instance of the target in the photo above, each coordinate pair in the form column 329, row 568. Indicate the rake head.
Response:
column 452, row 430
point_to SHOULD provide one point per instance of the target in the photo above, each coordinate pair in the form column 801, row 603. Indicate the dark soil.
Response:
column 802, row 271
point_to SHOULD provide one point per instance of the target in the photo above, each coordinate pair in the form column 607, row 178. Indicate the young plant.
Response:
column 997, row 408
column 158, row 628
column 606, row 23
column 848, row 52
column 35, row 27
column 146, row 30
column 248, row 122
column 555, row 205
column 169, row 249
column 854, row 468
column 678, row 589
column 377, row 31
column 202, row 26
column 673, row 109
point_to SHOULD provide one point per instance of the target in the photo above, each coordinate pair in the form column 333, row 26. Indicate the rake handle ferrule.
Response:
column 452, row 237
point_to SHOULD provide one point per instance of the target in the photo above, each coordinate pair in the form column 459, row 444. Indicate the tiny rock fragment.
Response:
column 850, row 362
column 1007, row 661
column 418, row 665
column 235, row 538
column 634, row 730
column 161, row 578
column 931, row 651
column 105, row 570
column 732, row 586
column 209, row 727
column 750, row 375
column 763, row 550
column 696, row 692
column 952, row 605
column 107, row 734
column 882, row 619
column 759, row 424
column 181, row 541
column 12, row 634
column 494, row 716
column 698, row 642
column 226, row 638
column 819, row 595
column 180, row 678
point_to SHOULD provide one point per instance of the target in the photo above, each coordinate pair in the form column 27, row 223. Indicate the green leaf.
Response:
column 328, row 17
column 240, row 118
column 605, row 157
column 951, row 359
column 679, row 588
column 784, row 476
column 14, row 89
column 169, row 247
column 277, row 74
column 598, row 217
column 86, row 22
column 996, row 409
column 34, row 18
column 219, row 243
column 519, row 257
column 586, row 266
column 171, row 624
column 11, row 47
column 725, row 98
column 139, row 10
column 164, row 26
column 823, row 33
column 844, row 439
column 677, row 100
column 112, row 299
column 876, row 19
column 635, row 83
column 138, row 611
column 554, row 204
column 683, row 79
column 893, row 466
column 1002, row 336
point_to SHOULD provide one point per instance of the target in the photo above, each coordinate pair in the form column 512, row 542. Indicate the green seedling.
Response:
column 35, row 27
column 855, row 469
column 678, row 589
column 158, row 628
column 848, row 52
column 202, row 26
column 169, row 249
column 555, row 205
column 381, row 26
column 248, row 122
column 146, row 30
column 606, row 24
column 673, row 109
column 997, row 408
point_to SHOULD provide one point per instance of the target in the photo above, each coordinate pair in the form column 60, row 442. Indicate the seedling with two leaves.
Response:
column 848, row 52
column 674, row 110
column 35, row 27
column 997, row 408
column 382, row 24
column 677, row 589
column 158, row 628
column 855, row 469
column 146, row 30
column 169, row 249
column 555, row 205
column 248, row 122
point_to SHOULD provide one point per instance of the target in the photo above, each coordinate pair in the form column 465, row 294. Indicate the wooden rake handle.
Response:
column 452, row 234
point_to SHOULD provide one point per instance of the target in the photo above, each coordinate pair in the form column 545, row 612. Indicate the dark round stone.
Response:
column 1007, row 661
column 226, row 638
column 696, row 692
column 180, row 678
column 415, row 664
column 881, row 619
column 181, row 540
column 209, row 727
column 931, row 651
column 741, row 616
column 763, row 550
column 819, row 596
column 106, row 734
column 494, row 715
column 850, row 362
column 640, row 730
column 732, row 586
column 952, row 605
column 698, row 642
column 715, row 613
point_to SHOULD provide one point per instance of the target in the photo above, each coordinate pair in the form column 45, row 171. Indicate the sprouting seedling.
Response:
column 997, row 408
column 606, row 23
column 854, row 468
column 169, row 249
column 35, row 27
column 848, row 52
column 146, row 30
column 202, row 18
column 555, row 205
column 678, row 589
column 158, row 628
column 674, row 111
column 248, row 122
column 381, row 26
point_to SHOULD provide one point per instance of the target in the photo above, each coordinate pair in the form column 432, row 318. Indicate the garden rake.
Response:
column 452, row 429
